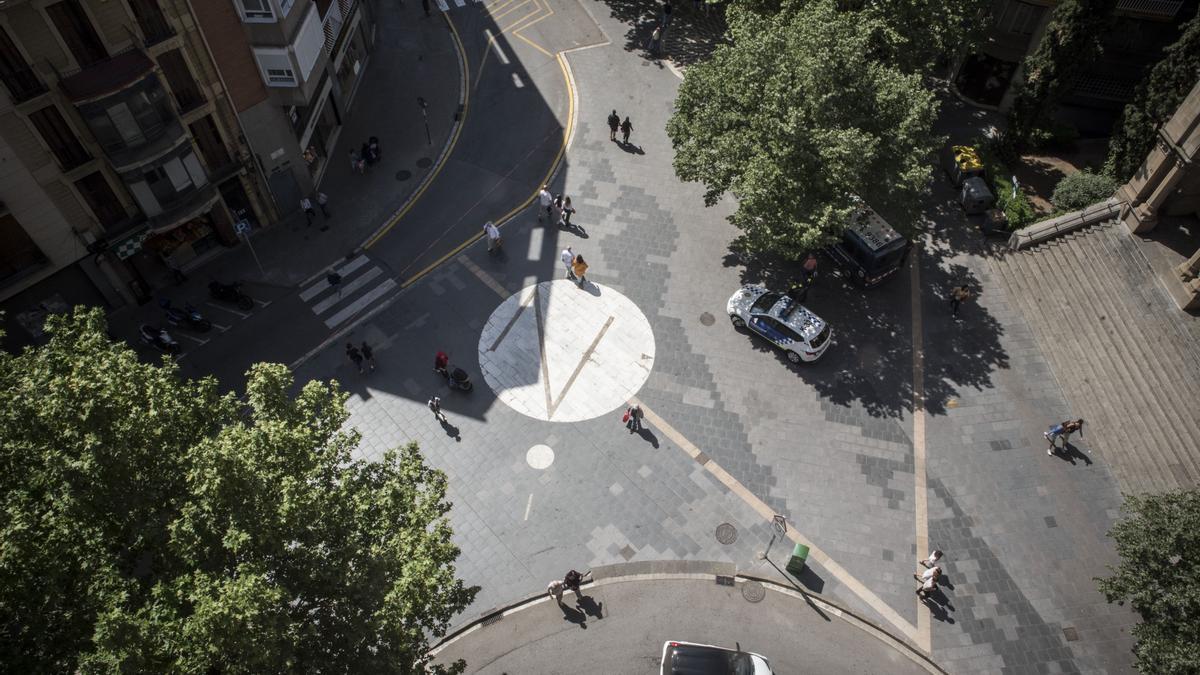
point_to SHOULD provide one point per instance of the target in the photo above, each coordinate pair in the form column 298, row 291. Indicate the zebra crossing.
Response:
column 444, row 5
column 362, row 284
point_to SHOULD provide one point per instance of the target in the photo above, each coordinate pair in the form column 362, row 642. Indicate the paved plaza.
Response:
column 912, row 432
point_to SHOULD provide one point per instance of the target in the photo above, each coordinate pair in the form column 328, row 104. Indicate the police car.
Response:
column 804, row 336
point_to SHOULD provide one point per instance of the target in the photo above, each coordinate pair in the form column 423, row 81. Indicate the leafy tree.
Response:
column 1072, row 42
column 1159, row 576
column 1154, row 101
column 150, row 524
column 1082, row 189
column 794, row 118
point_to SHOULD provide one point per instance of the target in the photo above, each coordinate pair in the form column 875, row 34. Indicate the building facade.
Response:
column 121, row 158
column 292, row 68
column 1142, row 28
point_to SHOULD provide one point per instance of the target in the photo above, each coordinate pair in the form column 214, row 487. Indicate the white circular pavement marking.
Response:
column 540, row 457
column 560, row 353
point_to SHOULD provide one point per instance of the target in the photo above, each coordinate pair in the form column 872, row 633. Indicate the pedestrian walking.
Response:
column 545, row 200
column 928, row 581
column 365, row 152
column 373, row 146
column 1062, row 430
column 568, row 258
column 614, row 123
column 368, row 355
column 355, row 356
column 564, row 216
column 356, row 162
column 934, row 556
column 653, row 46
column 957, row 297
column 555, row 590
column 574, row 579
column 322, row 201
column 306, row 204
column 626, row 128
column 493, row 236
column 580, row 268
column 335, row 280
column 633, row 418
column 810, row 269
column 435, row 404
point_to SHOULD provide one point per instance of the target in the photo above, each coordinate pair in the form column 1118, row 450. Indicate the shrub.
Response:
column 1019, row 210
column 1082, row 189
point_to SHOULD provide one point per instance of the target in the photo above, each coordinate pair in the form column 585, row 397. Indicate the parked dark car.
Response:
column 870, row 250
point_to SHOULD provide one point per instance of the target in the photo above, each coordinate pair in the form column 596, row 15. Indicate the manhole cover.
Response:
column 753, row 591
column 424, row 163
column 726, row 533
column 707, row 319
column 403, row 175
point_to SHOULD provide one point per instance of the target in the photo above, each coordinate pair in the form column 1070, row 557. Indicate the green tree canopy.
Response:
column 1072, row 42
column 1159, row 576
column 795, row 118
column 1154, row 101
column 150, row 524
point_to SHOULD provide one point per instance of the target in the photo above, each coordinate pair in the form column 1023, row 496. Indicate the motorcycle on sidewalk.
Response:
column 231, row 293
column 189, row 317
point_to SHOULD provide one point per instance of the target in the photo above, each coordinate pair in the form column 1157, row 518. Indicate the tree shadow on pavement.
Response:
column 691, row 37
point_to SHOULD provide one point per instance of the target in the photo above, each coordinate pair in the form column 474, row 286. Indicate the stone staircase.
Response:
column 1127, row 359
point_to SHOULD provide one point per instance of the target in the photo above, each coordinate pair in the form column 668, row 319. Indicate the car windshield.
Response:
column 764, row 303
column 699, row 660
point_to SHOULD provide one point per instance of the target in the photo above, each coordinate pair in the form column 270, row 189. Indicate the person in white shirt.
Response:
column 493, row 235
column 568, row 257
column 546, row 200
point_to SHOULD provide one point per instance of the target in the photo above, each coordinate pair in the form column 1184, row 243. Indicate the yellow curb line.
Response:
column 464, row 81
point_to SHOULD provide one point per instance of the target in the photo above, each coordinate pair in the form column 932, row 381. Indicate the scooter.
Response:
column 456, row 377
column 188, row 317
column 159, row 338
column 231, row 293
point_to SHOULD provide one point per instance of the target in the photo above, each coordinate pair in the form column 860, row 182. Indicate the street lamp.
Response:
column 421, row 102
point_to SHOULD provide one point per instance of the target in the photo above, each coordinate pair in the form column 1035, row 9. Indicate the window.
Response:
column 20, row 79
column 59, row 137
column 257, row 9
column 150, row 19
column 208, row 139
column 281, row 75
column 179, row 78
column 77, row 32
column 100, row 198
column 18, row 253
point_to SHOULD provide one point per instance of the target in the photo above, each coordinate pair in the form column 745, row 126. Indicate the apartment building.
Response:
column 1142, row 28
column 292, row 68
column 121, row 158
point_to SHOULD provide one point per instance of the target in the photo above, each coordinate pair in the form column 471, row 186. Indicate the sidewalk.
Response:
column 620, row 623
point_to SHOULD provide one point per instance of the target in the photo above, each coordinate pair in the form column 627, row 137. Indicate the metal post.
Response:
column 243, row 228
column 421, row 102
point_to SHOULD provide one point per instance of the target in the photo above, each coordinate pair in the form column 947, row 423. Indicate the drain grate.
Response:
column 1071, row 634
column 753, row 591
column 724, row 580
column 726, row 533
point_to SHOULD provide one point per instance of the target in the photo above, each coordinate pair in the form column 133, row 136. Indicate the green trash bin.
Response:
column 799, row 557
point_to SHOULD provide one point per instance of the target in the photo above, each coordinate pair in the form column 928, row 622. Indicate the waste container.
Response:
column 976, row 196
column 799, row 558
column 962, row 162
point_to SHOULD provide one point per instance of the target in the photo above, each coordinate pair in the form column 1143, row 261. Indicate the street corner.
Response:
column 566, row 352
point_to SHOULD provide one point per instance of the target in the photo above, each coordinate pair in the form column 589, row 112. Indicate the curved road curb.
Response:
column 693, row 569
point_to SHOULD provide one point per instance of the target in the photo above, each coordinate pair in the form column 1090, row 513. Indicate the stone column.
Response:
column 1173, row 155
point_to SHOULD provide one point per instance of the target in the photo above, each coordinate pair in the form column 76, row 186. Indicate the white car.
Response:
column 689, row 658
column 804, row 336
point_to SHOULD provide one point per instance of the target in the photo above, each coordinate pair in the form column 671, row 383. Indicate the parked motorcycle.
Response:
column 231, row 293
column 188, row 317
column 159, row 338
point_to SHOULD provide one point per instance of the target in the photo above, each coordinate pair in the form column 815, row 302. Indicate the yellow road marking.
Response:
column 920, row 505
column 465, row 79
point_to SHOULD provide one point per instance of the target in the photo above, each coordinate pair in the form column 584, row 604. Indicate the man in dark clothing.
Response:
column 626, row 128
column 614, row 123
column 355, row 356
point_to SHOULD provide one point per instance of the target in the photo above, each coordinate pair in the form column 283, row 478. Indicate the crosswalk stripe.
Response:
column 346, row 290
column 316, row 289
column 365, row 299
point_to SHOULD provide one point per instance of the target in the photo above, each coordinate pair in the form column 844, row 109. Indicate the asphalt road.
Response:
column 639, row 614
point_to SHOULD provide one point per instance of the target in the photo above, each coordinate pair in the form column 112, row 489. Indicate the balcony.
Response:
column 195, row 203
column 107, row 76
column 155, row 29
column 23, row 84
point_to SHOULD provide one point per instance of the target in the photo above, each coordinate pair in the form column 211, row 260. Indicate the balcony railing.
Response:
column 332, row 24
column 155, row 28
column 23, row 84
column 1160, row 9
